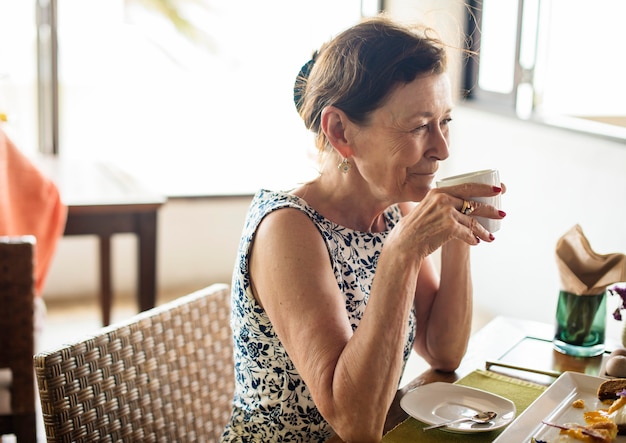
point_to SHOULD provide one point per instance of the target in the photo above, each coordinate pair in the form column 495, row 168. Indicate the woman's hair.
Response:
column 358, row 69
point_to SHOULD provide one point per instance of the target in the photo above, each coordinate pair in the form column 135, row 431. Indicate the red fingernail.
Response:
column 502, row 213
column 491, row 237
column 496, row 188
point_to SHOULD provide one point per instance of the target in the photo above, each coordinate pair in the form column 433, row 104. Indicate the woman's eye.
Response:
column 425, row 126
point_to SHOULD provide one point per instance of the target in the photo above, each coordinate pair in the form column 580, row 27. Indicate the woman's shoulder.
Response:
column 276, row 205
column 266, row 201
column 285, row 220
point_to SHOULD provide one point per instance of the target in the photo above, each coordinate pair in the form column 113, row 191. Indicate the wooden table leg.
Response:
column 105, row 278
column 105, row 225
column 147, row 233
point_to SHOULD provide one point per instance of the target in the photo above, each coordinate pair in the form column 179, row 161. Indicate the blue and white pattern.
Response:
column 272, row 403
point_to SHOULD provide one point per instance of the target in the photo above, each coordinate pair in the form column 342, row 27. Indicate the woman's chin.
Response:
column 417, row 194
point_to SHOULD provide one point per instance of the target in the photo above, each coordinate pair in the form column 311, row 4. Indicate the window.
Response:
column 555, row 61
column 18, row 72
column 185, row 115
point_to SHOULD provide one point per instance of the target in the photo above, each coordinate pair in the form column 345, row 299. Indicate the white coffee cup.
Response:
column 488, row 176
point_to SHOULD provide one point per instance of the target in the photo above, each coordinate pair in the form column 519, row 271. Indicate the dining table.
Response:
column 511, row 357
column 103, row 201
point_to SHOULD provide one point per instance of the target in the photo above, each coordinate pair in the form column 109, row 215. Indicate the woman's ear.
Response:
column 334, row 123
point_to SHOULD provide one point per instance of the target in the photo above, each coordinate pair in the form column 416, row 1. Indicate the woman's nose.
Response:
column 439, row 145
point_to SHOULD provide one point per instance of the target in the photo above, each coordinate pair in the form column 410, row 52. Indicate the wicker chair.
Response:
column 164, row 375
column 17, row 378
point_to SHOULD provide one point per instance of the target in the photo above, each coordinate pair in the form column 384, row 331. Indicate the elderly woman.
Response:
column 334, row 283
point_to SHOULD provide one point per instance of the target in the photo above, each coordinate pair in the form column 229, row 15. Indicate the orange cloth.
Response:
column 30, row 204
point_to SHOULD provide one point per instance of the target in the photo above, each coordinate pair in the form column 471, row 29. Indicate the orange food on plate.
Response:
column 603, row 424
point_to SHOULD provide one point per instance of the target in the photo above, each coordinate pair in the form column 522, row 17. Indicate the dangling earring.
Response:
column 344, row 166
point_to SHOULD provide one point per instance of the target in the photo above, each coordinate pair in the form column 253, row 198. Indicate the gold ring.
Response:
column 467, row 208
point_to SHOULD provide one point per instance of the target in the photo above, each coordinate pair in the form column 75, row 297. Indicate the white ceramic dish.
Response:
column 555, row 406
column 437, row 402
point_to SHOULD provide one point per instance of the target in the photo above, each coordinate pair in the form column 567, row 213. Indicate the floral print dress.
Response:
column 271, row 402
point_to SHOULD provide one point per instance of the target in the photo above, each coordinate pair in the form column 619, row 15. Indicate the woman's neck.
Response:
column 337, row 199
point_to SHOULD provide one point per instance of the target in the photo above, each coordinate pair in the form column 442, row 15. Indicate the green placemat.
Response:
column 520, row 392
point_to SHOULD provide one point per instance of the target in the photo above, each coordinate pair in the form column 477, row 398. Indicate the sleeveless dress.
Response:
column 271, row 401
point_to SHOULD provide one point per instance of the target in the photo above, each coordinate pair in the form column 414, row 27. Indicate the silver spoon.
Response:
column 481, row 417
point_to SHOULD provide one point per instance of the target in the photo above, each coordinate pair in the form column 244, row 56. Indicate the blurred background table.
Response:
column 102, row 201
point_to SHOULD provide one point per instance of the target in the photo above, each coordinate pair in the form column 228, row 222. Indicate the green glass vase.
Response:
column 580, row 324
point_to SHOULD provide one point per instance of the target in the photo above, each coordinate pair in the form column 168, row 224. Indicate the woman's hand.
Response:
column 438, row 217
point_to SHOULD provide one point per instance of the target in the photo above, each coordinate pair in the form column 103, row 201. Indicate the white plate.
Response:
column 555, row 406
column 437, row 402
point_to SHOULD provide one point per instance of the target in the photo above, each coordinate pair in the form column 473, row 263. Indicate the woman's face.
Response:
column 398, row 151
